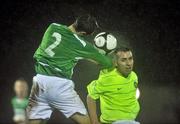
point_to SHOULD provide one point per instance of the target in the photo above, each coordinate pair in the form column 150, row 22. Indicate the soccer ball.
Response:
column 105, row 42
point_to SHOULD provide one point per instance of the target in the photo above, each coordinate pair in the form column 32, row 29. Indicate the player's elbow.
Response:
column 110, row 64
column 107, row 65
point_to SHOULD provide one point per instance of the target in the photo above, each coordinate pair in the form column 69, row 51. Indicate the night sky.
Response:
column 151, row 28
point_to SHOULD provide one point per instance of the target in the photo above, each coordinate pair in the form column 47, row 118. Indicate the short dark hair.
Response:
column 86, row 23
column 122, row 48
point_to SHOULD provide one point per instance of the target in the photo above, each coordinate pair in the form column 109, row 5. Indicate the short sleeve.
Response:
column 95, row 89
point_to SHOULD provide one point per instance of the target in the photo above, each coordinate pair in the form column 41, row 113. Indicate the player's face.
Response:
column 124, row 62
column 20, row 89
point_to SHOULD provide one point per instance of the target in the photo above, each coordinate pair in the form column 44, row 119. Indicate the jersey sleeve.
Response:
column 96, row 87
column 89, row 52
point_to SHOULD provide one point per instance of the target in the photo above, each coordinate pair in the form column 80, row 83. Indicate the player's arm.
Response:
column 91, row 104
column 92, row 54
column 94, row 91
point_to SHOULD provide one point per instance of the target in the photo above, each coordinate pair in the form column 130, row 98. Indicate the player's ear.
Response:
column 115, row 61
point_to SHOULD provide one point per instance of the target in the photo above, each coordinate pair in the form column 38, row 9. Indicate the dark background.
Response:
column 152, row 28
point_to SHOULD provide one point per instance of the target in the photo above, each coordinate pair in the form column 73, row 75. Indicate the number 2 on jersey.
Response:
column 55, row 44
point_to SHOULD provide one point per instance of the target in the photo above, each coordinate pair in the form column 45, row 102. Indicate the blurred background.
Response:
column 152, row 28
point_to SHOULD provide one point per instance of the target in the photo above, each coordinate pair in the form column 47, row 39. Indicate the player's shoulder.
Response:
column 82, row 41
column 107, row 73
column 13, row 100
column 57, row 25
column 134, row 75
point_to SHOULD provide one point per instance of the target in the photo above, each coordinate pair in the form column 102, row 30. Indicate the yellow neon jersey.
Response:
column 117, row 95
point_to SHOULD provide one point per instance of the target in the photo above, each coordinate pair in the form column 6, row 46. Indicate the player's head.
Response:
column 124, row 60
column 85, row 24
column 21, row 88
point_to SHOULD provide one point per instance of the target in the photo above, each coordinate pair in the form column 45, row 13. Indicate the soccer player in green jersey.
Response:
column 20, row 101
column 116, row 90
column 57, row 55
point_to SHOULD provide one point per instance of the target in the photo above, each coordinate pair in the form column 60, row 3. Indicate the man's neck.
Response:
column 123, row 75
column 71, row 27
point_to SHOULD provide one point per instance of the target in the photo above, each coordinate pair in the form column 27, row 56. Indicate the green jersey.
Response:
column 19, row 106
column 61, row 49
column 117, row 96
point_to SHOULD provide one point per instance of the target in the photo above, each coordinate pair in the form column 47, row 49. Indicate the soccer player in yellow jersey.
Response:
column 116, row 90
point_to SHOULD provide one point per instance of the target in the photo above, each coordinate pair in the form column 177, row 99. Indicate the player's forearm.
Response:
column 104, row 61
column 93, row 61
column 104, row 64
column 92, row 110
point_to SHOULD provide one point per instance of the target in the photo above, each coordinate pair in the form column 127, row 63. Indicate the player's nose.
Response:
column 128, row 63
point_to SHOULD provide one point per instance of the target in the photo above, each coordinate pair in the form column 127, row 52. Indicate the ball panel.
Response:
column 100, row 41
column 105, row 42
column 111, row 42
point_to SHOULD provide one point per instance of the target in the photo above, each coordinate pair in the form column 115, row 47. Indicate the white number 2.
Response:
column 55, row 44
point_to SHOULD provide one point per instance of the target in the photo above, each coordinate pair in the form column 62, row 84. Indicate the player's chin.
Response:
column 128, row 71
